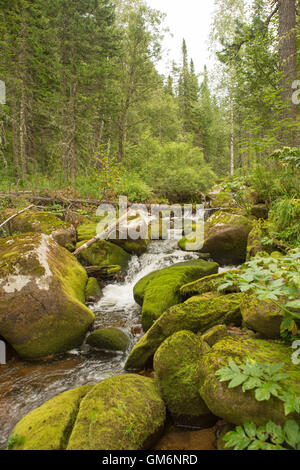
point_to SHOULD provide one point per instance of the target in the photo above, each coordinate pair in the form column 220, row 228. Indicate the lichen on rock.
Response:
column 42, row 295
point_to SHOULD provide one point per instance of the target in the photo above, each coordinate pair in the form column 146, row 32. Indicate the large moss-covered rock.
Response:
column 121, row 413
column 226, row 235
column 134, row 247
column 262, row 316
column 207, row 284
column 42, row 295
column 104, row 253
column 49, row 426
column 176, row 366
column 233, row 405
column 159, row 290
column 112, row 339
column 43, row 222
column 198, row 314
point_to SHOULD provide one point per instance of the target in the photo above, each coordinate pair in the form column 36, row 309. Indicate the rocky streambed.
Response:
column 125, row 370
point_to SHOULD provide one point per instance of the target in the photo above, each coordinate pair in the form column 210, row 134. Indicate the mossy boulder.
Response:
column 111, row 339
column 159, row 290
column 233, row 405
column 214, row 334
column 104, row 253
column 43, row 222
column 42, row 295
column 176, row 366
column 226, row 235
column 49, row 426
column 255, row 242
column 262, row 316
column 207, row 284
column 223, row 200
column 134, row 247
column 198, row 314
column 92, row 290
column 124, row 412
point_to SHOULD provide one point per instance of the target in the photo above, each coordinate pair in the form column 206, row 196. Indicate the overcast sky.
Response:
column 189, row 19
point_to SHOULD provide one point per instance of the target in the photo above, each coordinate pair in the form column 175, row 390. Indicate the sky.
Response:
column 189, row 19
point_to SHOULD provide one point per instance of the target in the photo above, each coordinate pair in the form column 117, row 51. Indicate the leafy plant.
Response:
column 13, row 440
column 275, row 279
column 268, row 437
column 264, row 379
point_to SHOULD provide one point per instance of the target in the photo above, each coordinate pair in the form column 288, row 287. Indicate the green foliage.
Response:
column 268, row 437
column 14, row 440
column 272, row 278
column 265, row 379
column 287, row 156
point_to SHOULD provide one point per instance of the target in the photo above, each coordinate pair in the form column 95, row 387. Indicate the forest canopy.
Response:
column 87, row 109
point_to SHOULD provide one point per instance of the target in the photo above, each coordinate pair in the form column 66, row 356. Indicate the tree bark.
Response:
column 288, row 67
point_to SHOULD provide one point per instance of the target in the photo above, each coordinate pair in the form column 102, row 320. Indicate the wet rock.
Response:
column 93, row 293
column 42, row 291
column 176, row 438
column 198, row 314
column 111, row 339
column 260, row 211
column 159, row 290
column 48, row 427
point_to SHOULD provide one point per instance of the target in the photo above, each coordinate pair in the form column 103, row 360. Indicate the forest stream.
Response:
column 26, row 385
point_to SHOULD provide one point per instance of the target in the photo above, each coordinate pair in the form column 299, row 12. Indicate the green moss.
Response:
column 198, row 314
column 109, row 338
column 207, row 284
column 262, row 316
column 92, row 289
column 223, row 199
column 255, row 239
column 104, row 253
column 233, row 405
column 42, row 291
column 214, row 334
column 39, row 222
column 120, row 413
column 49, row 426
column 135, row 247
column 160, row 290
column 176, row 366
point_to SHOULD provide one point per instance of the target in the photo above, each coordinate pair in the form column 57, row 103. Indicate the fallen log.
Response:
column 102, row 235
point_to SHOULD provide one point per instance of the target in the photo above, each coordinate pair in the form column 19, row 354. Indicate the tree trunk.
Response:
column 288, row 67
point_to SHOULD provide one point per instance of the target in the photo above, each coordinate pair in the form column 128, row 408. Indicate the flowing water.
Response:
column 26, row 385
